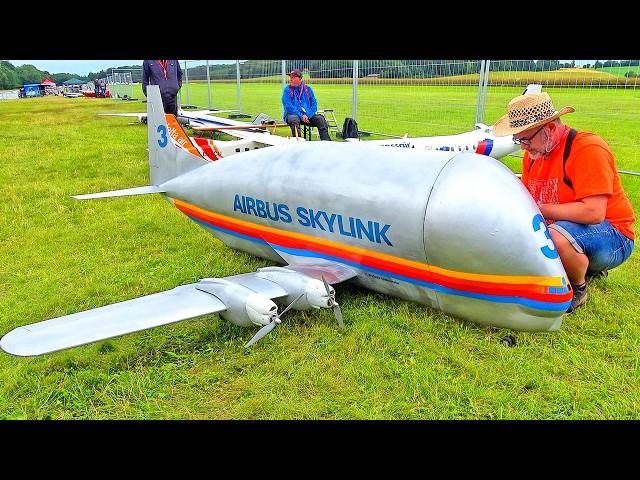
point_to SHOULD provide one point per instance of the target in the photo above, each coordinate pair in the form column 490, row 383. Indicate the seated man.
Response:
column 300, row 104
column 574, row 180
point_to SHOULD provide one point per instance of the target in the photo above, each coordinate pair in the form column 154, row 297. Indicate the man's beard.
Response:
column 547, row 146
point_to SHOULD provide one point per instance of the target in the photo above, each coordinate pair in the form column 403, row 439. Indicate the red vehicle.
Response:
column 92, row 93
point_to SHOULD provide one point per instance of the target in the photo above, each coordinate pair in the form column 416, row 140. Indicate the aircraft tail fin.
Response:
column 171, row 151
column 532, row 88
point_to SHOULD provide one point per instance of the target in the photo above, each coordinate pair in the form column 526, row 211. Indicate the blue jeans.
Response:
column 316, row 120
column 604, row 246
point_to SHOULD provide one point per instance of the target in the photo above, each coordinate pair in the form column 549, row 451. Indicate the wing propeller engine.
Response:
column 267, row 328
column 246, row 307
column 317, row 294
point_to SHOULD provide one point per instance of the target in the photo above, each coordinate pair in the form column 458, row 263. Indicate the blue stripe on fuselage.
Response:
column 432, row 286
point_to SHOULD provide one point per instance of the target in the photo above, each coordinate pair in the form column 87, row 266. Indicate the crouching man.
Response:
column 573, row 178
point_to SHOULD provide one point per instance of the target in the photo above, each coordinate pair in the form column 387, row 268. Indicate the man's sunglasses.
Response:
column 526, row 140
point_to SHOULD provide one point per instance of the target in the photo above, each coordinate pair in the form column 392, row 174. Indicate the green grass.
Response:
column 444, row 110
column 620, row 71
column 393, row 360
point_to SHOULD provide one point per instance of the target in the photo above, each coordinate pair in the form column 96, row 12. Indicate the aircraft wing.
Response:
column 180, row 303
column 141, row 117
column 261, row 137
column 209, row 111
column 208, row 296
column 331, row 272
column 206, row 121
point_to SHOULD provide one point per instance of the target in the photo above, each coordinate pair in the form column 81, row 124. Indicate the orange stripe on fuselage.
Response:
column 537, row 284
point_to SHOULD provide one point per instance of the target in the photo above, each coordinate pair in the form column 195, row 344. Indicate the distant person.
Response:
column 300, row 105
column 591, row 218
column 167, row 74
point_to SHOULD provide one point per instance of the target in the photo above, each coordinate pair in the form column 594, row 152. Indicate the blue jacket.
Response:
column 299, row 101
column 152, row 74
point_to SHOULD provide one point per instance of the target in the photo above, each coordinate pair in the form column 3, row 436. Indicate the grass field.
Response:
column 393, row 360
column 620, row 71
column 612, row 113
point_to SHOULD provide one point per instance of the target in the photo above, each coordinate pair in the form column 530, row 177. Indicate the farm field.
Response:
column 394, row 359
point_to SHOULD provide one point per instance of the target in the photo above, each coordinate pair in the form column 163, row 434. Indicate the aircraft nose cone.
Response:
column 484, row 234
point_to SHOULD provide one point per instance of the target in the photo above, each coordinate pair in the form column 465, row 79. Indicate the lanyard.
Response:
column 301, row 91
column 164, row 64
column 562, row 137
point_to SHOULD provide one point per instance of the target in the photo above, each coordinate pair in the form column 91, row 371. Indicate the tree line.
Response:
column 15, row 77
column 389, row 68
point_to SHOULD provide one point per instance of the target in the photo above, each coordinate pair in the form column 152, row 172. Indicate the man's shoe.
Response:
column 592, row 276
column 579, row 296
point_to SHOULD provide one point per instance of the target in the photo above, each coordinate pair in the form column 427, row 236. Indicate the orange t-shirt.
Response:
column 592, row 170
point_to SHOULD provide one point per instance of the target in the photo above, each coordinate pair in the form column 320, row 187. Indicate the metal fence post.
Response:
column 238, row 85
column 284, row 72
column 208, row 86
column 480, row 100
column 354, row 95
column 484, row 86
column 186, row 76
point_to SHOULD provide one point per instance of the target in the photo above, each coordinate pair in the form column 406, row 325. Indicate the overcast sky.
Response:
column 83, row 67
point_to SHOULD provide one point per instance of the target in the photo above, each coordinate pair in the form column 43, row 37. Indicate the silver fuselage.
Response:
column 458, row 233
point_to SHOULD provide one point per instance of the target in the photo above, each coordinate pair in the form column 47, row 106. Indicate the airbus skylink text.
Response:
column 318, row 219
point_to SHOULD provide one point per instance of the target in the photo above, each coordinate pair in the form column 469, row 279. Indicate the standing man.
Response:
column 573, row 178
column 167, row 74
column 299, row 104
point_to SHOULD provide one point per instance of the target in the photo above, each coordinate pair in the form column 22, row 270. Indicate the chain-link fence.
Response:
column 425, row 97
column 124, row 82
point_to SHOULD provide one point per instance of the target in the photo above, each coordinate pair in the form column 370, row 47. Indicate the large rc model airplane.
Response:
column 459, row 233
column 480, row 140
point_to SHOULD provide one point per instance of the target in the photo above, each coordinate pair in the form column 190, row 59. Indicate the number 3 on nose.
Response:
column 547, row 251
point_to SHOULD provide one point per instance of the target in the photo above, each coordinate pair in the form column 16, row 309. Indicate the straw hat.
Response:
column 528, row 111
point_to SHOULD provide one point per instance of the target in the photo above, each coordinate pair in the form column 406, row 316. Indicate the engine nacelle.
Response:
column 296, row 283
column 244, row 306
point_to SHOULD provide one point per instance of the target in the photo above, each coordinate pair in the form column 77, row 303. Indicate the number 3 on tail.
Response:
column 548, row 251
column 162, row 130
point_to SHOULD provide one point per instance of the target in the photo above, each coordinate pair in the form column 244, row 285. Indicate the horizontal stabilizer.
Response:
column 121, row 193
column 533, row 88
column 180, row 303
column 236, row 127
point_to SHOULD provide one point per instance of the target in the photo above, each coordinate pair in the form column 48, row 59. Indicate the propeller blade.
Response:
column 336, row 308
column 291, row 305
column 326, row 285
column 270, row 326
column 338, row 313
column 261, row 333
